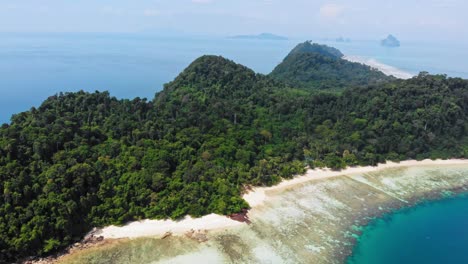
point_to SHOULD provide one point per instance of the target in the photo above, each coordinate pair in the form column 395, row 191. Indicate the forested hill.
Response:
column 315, row 66
column 82, row 160
column 323, row 50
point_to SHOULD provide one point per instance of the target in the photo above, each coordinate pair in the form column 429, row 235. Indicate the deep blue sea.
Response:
column 35, row 66
column 431, row 233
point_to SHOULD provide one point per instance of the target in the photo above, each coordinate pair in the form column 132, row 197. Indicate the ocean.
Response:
column 34, row 66
column 431, row 233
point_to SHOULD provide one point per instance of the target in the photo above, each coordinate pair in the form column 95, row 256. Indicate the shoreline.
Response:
column 258, row 195
column 385, row 68
column 266, row 204
column 255, row 197
column 154, row 228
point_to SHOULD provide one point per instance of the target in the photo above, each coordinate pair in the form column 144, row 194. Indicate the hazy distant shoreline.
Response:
column 386, row 69
column 323, row 194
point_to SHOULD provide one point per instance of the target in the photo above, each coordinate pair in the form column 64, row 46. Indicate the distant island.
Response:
column 262, row 36
column 341, row 39
column 390, row 41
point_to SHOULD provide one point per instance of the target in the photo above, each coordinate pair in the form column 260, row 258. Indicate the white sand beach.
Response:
column 387, row 69
column 256, row 197
column 154, row 228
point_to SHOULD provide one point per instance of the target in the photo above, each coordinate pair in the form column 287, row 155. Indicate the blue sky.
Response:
column 363, row 19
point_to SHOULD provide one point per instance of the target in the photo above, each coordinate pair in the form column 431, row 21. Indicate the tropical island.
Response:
column 262, row 36
column 84, row 160
column 390, row 41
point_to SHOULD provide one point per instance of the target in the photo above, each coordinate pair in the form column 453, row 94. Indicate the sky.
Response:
column 363, row 19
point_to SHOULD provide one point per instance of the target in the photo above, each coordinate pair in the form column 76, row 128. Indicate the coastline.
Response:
column 328, row 205
column 255, row 197
column 386, row 69
column 152, row 228
column 258, row 195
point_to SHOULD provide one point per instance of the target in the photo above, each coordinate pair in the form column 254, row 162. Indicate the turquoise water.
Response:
column 35, row 66
column 435, row 232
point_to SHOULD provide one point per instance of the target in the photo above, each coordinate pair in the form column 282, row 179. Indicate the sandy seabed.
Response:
column 314, row 218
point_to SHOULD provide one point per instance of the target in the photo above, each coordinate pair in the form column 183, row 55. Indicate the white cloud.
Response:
column 331, row 11
column 151, row 12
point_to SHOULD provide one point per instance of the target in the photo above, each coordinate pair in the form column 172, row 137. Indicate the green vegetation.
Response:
column 87, row 159
column 323, row 50
column 321, row 67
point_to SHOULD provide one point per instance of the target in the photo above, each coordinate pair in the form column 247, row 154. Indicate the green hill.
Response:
column 82, row 160
column 309, row 47
column 321, row 67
